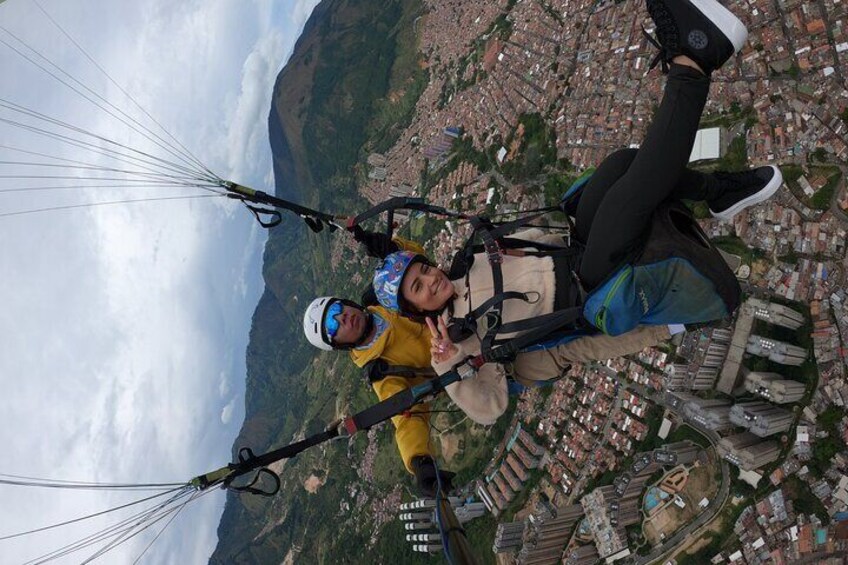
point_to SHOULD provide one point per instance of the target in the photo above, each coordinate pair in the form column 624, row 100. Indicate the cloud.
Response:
column 224, row 385
column 125, row 326
column 246, row 141
column 227, row 411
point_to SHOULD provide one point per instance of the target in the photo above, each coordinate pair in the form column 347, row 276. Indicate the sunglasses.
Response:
column 331, row 325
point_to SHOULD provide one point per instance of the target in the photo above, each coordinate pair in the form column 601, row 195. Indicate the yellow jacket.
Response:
column 406, row 343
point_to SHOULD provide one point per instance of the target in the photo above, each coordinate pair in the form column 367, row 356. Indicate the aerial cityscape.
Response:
column 728, row 444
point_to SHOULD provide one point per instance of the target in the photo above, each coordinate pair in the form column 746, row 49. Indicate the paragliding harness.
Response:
column 564, row 324
column 377, row 370
column 676, row 258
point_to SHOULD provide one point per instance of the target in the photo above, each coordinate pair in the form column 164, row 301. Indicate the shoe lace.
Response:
column 660, row 57
column 666, row 40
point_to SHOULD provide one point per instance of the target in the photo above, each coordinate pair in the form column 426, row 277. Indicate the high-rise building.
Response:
column 676, row 377
column 777, row 351
column 722, row 336
column 508, row 537
column 712, row 414
column 547, row 534
column 682, row 377
column 529, row 443
column 761, row 418
column 524, row 456
column 747, row 451
column 583, row 555
column 774, row 387
column 715, row 355
column 516, row 467
column 705, row 378
column 729, row 379
column 497, row 499
column 504, row 487
column 510, row 477
column 776, row 314
column 678, row 453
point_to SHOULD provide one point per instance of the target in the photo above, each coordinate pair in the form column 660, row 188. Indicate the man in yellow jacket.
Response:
column 384, row 342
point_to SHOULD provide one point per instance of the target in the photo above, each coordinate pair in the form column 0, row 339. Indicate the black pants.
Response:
column 617, row 204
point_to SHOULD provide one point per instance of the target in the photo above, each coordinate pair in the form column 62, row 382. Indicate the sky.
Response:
column 124, row 326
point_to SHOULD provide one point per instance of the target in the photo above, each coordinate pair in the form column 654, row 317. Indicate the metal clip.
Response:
column 466, row 371
column 494, row 253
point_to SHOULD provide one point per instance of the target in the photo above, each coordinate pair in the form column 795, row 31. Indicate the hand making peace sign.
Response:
column 441, row 348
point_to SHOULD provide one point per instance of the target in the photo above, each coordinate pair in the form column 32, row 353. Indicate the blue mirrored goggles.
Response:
column 331, row 325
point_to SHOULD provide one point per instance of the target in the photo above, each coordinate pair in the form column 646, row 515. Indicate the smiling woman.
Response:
column 129, row 320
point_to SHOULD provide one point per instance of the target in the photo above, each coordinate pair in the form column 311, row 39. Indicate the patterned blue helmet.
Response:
column 389, row 274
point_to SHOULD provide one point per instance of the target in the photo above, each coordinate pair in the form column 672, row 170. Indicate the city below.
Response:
column 726, row 445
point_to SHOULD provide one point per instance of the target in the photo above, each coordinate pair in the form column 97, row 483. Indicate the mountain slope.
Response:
column 320, row 123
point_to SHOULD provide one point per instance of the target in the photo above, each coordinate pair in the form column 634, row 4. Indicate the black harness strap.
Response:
column 495, row 244
column 554, row 319
column 380, row 412
column 505, row 350
column 495, row 257
column 378, row 370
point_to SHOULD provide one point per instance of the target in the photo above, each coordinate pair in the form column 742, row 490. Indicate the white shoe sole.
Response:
column 731, row 26
column 764, row 194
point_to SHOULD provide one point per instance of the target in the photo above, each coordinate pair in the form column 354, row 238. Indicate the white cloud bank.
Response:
column 124, row 327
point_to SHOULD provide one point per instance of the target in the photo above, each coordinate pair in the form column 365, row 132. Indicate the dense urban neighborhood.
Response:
column 728, row 444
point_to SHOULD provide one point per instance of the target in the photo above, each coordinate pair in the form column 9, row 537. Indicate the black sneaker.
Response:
column 703, row 30
column 739, row 190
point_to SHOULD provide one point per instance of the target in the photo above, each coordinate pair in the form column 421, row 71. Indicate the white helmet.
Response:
column 313, row 323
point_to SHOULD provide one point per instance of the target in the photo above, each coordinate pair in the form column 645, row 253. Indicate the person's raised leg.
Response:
column 625, row 211
column 691, row 185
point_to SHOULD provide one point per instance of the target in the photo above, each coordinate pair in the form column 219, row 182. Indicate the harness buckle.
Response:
column 466, row 371
column 494, row 252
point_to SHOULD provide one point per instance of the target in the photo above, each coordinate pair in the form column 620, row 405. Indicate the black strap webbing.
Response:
column 378, row 370
column 380, row 412
column 506, row 350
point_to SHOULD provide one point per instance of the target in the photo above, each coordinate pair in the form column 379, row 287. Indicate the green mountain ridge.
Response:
column 327, row 103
